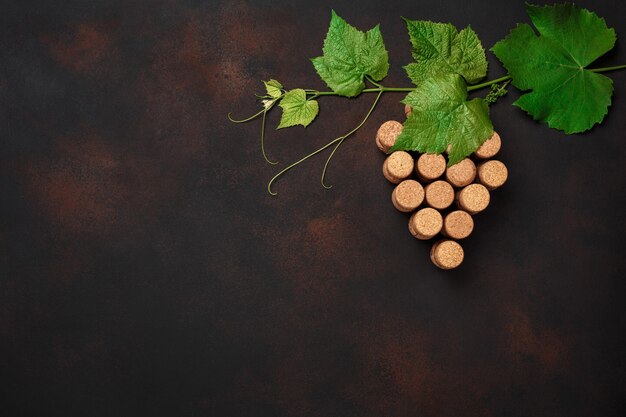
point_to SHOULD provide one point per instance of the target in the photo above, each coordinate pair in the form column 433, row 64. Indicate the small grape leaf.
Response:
column 438, row 48
column 564, row 94
column 273, row 88
column 297, row 110
column 350, row 55
column 442, row 116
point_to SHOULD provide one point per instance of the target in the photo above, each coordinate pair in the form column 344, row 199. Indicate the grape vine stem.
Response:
column 605, row 69
column 383, row 89
column 474, row 87
column 379, row 89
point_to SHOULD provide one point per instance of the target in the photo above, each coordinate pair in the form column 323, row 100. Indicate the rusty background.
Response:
column 146, row 271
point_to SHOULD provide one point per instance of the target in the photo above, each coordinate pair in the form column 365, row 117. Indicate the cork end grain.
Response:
column 439, row 194
column 426, row 223
column 398, row 166
column 474, row 198
column 430, row 166
column 461, row 173
column 447, row 254
column 457, row 225
column 490, row 147
column 492, row 174
column 387, row 134
column 407, row 196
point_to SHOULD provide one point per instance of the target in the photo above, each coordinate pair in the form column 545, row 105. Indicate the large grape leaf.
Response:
column 438, row 48
column 564, row 94
column 442, row 116
column 350, row 55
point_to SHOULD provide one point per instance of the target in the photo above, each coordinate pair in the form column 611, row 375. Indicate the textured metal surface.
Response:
column 144, row 270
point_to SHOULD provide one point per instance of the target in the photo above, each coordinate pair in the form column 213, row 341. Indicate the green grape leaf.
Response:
column 438, row 48
column 564, row 94
column 349, row 56
column 297, row 110
column 442, row 116
column 273, row 88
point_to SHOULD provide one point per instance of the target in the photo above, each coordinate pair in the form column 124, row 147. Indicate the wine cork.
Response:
column 439, row 194
column 430, row 166
column 492, row 174
column 387, row 134
column 447, row 254
column 457, row 224
column 398, row 166
column 474, row 198
column 407, row 196
column 407, row 110
column 462, row 173
column 426, row 223
column 490, row 147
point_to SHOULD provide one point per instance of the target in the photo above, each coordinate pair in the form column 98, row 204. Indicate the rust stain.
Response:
column 396, row 371
column 326, row 235
column 318, row 246
column 403, row 360
column 85, row 47
column 174, row 95
column 526, row 340
column 74, row 201
column 92, row 186
column 88, row 151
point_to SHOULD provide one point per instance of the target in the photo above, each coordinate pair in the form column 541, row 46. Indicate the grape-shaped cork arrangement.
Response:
column 441, row 200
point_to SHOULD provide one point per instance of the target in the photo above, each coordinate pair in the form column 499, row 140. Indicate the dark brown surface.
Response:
column 144, row 269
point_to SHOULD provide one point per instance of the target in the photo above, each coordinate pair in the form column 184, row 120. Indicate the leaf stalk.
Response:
column 605, row 69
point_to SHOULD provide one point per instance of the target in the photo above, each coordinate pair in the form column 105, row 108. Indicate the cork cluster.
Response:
column 441, row 200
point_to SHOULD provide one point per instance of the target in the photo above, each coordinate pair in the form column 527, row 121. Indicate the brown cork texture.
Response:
column 398, row 166
column 474, row 198
column 492, row 174
column 439, row 194
column 425, row 223
column 447, row 254
column 387, row 134
column 461, row 173
column 429, row 166
column 490, row 147
column 407, row 195
column 457, row 224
